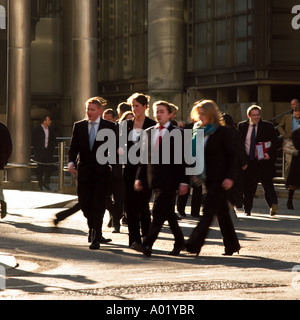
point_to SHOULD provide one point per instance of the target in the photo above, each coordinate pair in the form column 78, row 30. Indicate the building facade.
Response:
column 236, row 52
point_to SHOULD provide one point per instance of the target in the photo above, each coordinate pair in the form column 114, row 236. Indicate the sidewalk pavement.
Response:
column 17, row 199
column 29, row 200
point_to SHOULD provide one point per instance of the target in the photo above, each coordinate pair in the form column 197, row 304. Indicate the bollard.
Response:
column 61, row 155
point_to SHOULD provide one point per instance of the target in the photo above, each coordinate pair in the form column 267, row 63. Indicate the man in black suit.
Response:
column 93, row 177
column 5, row 153
column 261, row 145
column 163, row 178
column 43, row 141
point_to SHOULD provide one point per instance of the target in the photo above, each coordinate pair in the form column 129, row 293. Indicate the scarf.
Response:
column 208, row 130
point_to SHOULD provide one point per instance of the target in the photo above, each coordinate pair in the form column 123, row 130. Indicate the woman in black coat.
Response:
column 220, row 169
column 293, row 179
column 137, row 203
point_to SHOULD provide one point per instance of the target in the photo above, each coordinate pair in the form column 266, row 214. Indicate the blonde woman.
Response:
column 220, row 169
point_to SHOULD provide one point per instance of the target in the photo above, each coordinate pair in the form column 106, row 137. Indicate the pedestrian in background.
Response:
column 286, row 127
column 5, row 153
column 220, row 169
column 257, row 133
column 43, row 142
column 293, row 179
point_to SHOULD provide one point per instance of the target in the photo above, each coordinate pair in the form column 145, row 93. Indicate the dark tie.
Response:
column 92, row 136
column 252, row 144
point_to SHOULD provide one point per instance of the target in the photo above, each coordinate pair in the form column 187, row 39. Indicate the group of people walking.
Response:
column 235, row 160
column 232, row 155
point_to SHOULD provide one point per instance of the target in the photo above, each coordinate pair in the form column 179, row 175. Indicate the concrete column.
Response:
column 165, row 50
column 85, row 67
column 19, row 87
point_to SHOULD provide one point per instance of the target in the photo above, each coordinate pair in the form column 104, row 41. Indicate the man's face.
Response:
column 255, row 116
column 47, row 122
column 297, row 115
column 93, row 111
column 294, row 103
column 162, row 115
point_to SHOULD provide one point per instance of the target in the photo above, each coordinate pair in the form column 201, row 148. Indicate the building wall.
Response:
column 235, row 52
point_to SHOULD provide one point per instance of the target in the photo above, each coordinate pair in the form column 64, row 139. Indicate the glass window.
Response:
column 123, row 28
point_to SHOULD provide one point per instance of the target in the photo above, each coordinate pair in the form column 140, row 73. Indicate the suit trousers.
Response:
column 215, row 205
column 195, row 202
column 251, row 178
column 163, row 210
column 137, row 208
column 92, row 195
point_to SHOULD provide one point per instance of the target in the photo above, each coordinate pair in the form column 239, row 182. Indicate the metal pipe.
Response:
column 85, row 55
column 19, row 86
column 61, row 157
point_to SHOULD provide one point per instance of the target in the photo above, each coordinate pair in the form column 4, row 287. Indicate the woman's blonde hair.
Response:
column 211, row 110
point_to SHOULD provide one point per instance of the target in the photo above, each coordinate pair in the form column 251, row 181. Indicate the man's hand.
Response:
column 183, row 189
column 72, row 169
column 138, row 185
column 227, row 184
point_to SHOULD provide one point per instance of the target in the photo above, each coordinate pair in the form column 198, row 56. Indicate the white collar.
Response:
column 97, row 121
column 166, row 125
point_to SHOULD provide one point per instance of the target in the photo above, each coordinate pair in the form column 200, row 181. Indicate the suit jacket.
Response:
column 5, row 145
column 80, row 153
column 221, row 156
column 42, row 154
column 265, row 133
column 162, row 176
column 285, row 126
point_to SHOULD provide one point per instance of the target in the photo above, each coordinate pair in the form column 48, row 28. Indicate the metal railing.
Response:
column 61, row 163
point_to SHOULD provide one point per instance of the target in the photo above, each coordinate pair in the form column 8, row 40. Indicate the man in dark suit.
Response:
column 259, row 135
column 43, row 141
column 5, row 153
column 93, row 177
column 163, row 178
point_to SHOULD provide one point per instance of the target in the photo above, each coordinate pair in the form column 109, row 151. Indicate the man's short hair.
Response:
column 254, row 107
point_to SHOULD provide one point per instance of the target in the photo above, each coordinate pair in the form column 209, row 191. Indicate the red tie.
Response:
column 159, row 139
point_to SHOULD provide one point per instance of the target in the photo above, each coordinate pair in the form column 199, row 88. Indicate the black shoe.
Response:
column 95, row 245
column 183, row 214
column 230, row 252
column 3, row 209
column 56, row 221
column 147, row 251
column 103, row 240
column 137, row 247
column 247, row 213
column 176, row 251
column 189, row 248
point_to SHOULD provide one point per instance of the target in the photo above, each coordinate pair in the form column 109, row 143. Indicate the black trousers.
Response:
column 137, row 208
column 115, row 200
column 92, row 195
column 252, row 176
column 163, row 210
column 215, row 204
column 67, row 213
column 195, row 203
